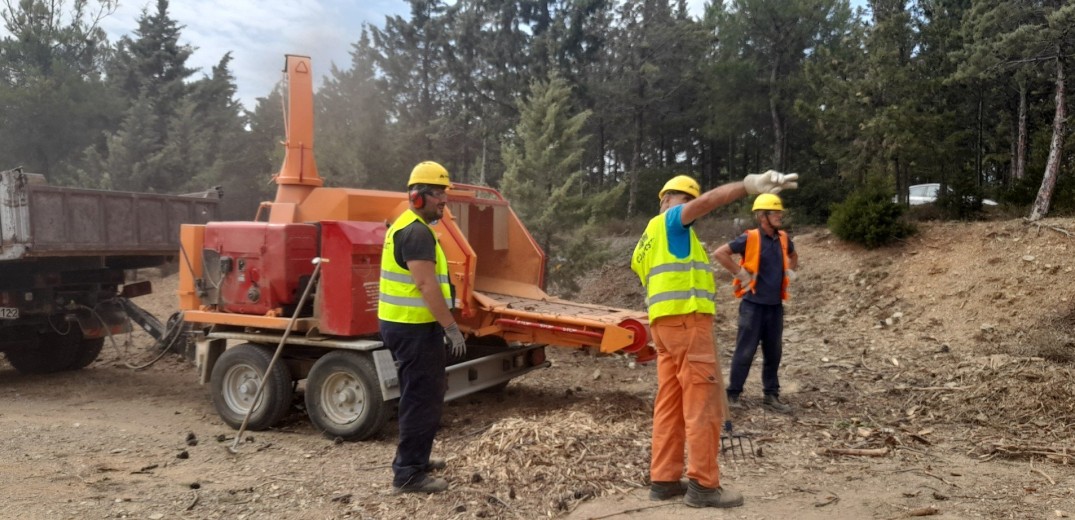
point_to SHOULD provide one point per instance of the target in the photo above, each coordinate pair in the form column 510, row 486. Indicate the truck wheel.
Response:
column 234, row 383
column 343, row 396
column 46, row 353
column 88, row 350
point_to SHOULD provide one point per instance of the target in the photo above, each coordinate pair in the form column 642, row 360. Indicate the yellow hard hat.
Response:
column 683, row 183
column 429, row 172
column 767, row 202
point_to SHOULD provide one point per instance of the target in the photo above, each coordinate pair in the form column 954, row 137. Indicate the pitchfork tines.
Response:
column 736, row 444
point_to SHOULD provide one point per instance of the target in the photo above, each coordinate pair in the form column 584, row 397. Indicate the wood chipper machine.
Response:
column 242, row 283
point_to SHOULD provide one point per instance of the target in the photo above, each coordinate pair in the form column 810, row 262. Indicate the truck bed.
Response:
column 38, row 220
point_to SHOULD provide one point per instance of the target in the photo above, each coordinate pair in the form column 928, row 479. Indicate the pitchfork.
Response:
column 731, row 442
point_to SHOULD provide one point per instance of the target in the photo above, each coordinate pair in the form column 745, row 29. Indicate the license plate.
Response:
column 9, row 313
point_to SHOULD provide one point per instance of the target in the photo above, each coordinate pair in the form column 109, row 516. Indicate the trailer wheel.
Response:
column 45, row 353
column 234, row 383
column 88, row 350
column 343, row 396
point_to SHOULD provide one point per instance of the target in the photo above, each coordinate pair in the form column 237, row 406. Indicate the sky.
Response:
column 258, row 33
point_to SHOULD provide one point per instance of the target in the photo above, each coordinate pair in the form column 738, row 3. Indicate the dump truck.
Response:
column 243, row 294
column 64, row 255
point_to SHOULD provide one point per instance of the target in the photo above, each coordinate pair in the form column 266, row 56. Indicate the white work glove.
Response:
column 791, row 275
column 744, row 277
column 456, row 344
column 771, row 181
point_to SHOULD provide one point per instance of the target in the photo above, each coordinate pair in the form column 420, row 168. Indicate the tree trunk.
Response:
column 979, row 145
column 731, row 157
column 1019, row 166
column 778, row 124
column 602, row 173
column 636, row 165
column 485, row 150
column 901, row 183
column 1056, row 147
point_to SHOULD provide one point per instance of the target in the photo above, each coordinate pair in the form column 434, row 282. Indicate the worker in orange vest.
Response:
column 675, row 270
column 767, row 264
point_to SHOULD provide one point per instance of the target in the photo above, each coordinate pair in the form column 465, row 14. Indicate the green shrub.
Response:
column 869, row 217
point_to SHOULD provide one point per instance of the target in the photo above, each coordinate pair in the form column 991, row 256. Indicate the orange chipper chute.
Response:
column 298, row 176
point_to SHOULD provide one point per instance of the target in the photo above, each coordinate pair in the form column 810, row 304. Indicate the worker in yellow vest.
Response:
column 767, row 264
column 674, row 269
column 415, row 320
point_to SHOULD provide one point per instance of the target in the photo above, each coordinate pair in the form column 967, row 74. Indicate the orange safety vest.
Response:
column 752, row 259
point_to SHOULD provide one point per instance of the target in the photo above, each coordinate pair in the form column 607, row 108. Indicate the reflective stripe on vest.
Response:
column 400, row 300
column 673, row 285
column 752, row 259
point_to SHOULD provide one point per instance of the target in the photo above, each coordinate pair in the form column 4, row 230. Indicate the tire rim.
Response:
column 343, row 398
column 240, row 386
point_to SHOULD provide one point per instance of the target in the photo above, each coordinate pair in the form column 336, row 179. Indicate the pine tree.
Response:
column 353, row 148
column 544, row 179
column 52, row 99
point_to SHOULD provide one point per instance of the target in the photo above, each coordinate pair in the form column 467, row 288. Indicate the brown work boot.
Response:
column 665, row 490
column 698, row 496
column 426, row 484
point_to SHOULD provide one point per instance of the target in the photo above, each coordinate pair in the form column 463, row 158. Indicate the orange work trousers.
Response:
column 687, row 412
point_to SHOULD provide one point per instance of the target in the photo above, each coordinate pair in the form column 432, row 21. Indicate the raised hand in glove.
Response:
column 771, row 181
column 744, row 277
column 456, row 344
column 791, row 275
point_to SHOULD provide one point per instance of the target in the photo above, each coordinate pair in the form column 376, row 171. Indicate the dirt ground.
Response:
column 949, row 359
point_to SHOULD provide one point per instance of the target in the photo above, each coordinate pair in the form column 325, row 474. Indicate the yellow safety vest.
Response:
column 400, row 300
column 673, row 285
column 751, row 261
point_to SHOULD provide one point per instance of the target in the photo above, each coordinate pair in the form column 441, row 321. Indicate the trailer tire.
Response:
column 343, row 396
column 45, row 353
column 88, row 350
column 234, row 383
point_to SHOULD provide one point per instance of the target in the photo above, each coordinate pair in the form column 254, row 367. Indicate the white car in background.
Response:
column 927, row 194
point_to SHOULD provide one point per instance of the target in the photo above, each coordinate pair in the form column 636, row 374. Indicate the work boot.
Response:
column 774, row 403
column 734, row 403
column 698, row 496
column 666, row 490
column 426, row 484
column 436, row 463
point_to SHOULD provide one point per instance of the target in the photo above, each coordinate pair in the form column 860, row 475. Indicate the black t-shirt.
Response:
column 415, row 242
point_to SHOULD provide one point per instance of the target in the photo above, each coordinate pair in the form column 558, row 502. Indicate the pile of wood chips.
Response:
column 557, row 460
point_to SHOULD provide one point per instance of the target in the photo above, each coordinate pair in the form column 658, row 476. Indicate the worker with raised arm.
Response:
column 675, row 271
column 415, row 319
column 766, row 266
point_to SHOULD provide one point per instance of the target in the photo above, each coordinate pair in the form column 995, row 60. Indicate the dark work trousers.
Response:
column 762, row 324
column 421, row 357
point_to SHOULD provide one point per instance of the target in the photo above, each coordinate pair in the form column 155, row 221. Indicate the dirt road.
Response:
column 942, row 352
